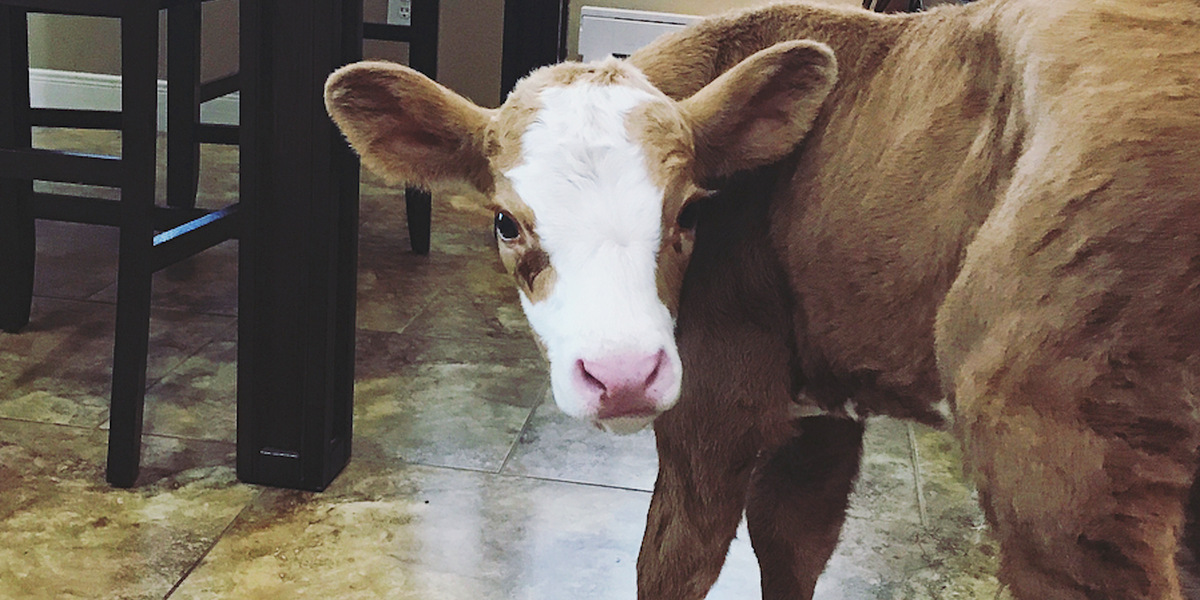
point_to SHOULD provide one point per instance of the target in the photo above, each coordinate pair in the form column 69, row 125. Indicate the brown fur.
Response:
column 999, row 204
column 996, row 204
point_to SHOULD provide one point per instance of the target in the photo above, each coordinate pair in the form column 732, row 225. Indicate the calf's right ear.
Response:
column 756, row 112
column 408, row 128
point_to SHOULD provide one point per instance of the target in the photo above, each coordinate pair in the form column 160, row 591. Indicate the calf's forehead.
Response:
column 524, row 104
column 582, row 171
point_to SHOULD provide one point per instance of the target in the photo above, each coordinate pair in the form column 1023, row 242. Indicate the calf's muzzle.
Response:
column 625, row 385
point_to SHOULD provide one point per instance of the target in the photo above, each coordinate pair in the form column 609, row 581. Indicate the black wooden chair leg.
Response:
column 17, row 241
column 129, row 373
column 139, row 64
column 183, row 106
column 17, row 255
column 418, row 204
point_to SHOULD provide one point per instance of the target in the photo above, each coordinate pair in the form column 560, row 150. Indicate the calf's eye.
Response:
column 688, row 216
column 691, row 209
column 506, row 227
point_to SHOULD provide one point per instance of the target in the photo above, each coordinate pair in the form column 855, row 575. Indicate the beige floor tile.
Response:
column 66, row 534
column 453, row 415
column 888, row 551
column 74, row 261
column 419, row 532
column 198, row 399
column 556, row 446
column 59, row 368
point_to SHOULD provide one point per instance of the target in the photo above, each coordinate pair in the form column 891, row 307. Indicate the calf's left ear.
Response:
column 756, row 112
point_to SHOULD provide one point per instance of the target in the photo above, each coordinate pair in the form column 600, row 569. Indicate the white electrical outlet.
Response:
column 399, row 12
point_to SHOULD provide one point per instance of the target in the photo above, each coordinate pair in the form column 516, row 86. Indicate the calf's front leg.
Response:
column 704, row 471
column 734, row 338
column 797, row 504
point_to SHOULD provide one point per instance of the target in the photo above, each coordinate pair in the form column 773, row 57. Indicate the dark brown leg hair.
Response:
column 697, row 505
column 797, row 504
column 1189, row 548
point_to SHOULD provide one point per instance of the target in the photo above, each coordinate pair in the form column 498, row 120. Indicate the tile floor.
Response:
column 466, row 482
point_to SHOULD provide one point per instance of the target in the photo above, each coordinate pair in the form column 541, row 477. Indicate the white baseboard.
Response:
column 50, row 88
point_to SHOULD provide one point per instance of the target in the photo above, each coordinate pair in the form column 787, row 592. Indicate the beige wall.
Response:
column 74, row 44
column 469, row 46
column 93, row 44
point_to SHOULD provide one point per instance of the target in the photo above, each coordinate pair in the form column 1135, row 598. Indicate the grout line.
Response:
column 209, row 342
column 915, row 455
column 90, row 299
column 432, row 298
column 168, row 436
column 426, row 465
column 87, row 300
column 216, row 540
column 490, row 472
column 606, row 486
column 66, row 425
column 512, row 448
column 174, row 370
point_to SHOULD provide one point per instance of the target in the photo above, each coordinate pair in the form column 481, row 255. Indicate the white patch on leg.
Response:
column 803, row 406
column 943, row 408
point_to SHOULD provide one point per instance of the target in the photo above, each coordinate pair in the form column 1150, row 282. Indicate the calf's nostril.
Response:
column 659, row 360
column 587, row 379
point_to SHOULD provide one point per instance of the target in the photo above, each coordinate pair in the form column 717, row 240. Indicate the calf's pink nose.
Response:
column 624, row 385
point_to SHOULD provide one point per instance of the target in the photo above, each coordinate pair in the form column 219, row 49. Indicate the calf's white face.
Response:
column 597, row 218
column 591, row 172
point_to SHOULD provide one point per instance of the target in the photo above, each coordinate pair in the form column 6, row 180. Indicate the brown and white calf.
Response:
column 989, row 213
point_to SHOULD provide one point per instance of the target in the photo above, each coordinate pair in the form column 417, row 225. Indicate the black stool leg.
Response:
column 422, row 56
column 139, row 66
column 183, row 106
column 418, row 204
column 17, row 241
